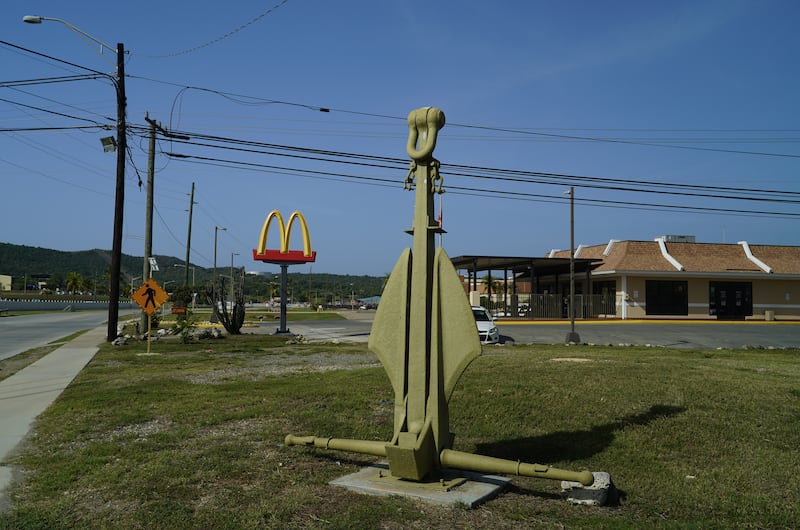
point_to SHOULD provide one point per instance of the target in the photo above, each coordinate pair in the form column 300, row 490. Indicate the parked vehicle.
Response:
column 487, row 330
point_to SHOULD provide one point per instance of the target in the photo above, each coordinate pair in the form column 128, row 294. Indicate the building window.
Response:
column 667, row 297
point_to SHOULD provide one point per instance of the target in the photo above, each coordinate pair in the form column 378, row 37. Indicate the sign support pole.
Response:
column 284, row 296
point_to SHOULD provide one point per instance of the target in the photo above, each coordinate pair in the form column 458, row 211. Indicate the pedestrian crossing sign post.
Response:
column 150, row 296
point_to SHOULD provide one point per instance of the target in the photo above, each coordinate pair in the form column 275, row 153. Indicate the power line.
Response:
column 539, row 132
column 50, row 100
column 535, row 132
column 71, row 128
column 50, row 80
column 41, row 109
column 517, row 194
column 489, row 173
column 470, row 171
column 578, row 181
column 220, row 38
column 620, row 141
column 62, row 61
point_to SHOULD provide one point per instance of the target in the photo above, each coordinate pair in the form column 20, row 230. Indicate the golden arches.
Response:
column 285, row 232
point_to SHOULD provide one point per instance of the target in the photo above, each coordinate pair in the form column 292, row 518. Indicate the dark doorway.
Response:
column 667, row 297
column 730, row 300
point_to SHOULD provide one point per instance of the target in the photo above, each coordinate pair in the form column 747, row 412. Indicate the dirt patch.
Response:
column 283, row 364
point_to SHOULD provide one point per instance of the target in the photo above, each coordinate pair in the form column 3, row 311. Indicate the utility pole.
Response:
column 151, row 161
column 216, row 231
column 148, row 218
column 122, row 151
column 119, row 201
column 572, row 336
column 233, row 292
column 188, row 239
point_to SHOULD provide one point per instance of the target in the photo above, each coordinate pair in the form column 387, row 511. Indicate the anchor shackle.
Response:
column 423, row 125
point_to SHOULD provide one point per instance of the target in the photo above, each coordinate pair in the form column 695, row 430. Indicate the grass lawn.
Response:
column 192, row 437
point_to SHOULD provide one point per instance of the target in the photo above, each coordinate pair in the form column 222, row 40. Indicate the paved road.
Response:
column 328, row 330
column 18, row 334
column 24, row 332
column 675, row 334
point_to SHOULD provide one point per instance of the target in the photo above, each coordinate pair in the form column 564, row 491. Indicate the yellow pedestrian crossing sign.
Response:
column 150, row 296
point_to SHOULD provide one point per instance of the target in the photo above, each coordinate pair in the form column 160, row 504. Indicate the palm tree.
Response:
column 74, row 281
column 86, row 284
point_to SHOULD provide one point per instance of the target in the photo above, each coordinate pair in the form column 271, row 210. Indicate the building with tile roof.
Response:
column 675, row 277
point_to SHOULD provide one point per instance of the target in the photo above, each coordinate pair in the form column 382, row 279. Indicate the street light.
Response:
column 193, row 275
column 572, row 336
column 119, row 202
column 133, row 286
column 163, row 306
column 216, row 230
column 232, row 292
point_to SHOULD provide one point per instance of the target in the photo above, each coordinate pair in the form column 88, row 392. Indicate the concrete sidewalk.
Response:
column 29, row 392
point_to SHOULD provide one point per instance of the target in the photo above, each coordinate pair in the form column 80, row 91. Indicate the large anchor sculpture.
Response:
column 424, row 335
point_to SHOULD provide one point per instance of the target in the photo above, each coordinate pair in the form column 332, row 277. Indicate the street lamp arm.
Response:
column 36, row 19
column 119, row 198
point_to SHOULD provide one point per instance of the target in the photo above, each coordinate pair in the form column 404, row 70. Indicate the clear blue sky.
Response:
column 682, row 92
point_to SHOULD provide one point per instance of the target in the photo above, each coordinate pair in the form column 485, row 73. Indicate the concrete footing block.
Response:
column 453, row 486
column 600, row 493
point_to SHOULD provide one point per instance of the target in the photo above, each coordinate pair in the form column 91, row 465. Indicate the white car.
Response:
column 487, row 331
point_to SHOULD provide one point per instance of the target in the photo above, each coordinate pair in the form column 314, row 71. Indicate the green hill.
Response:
column 54, row 266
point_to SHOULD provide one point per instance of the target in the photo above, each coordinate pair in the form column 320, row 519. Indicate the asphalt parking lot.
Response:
column 695, row 334
column 673, row 334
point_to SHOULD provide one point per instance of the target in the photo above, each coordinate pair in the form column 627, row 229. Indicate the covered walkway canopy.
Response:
column 528, row 276
column 522, row 267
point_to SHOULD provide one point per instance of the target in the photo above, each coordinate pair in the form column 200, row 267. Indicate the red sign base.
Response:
column 292, row 257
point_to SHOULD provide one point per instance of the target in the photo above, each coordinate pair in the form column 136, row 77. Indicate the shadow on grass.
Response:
column 572, row 445
column 554, row 447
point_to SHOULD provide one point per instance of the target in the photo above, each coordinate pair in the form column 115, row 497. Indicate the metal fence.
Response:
column 552, row 306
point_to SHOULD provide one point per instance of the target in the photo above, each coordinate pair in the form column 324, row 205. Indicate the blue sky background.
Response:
column 702, row 93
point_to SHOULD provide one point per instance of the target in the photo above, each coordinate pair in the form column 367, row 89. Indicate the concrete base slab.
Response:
column 454, row 486
column 595, row 495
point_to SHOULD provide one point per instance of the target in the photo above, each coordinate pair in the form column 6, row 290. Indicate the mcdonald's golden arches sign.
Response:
column 283, row 255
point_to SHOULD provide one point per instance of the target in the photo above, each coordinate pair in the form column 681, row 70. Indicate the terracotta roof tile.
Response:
column 782, row 259
column 711, row 257
column 636, row 255
column 694, row 257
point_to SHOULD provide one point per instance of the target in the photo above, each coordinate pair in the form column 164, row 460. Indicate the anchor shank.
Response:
column 421, row 292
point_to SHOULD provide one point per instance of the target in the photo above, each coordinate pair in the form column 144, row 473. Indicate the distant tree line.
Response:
column 88, row 272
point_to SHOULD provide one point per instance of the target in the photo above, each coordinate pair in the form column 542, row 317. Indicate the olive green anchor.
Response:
column 424, row 335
